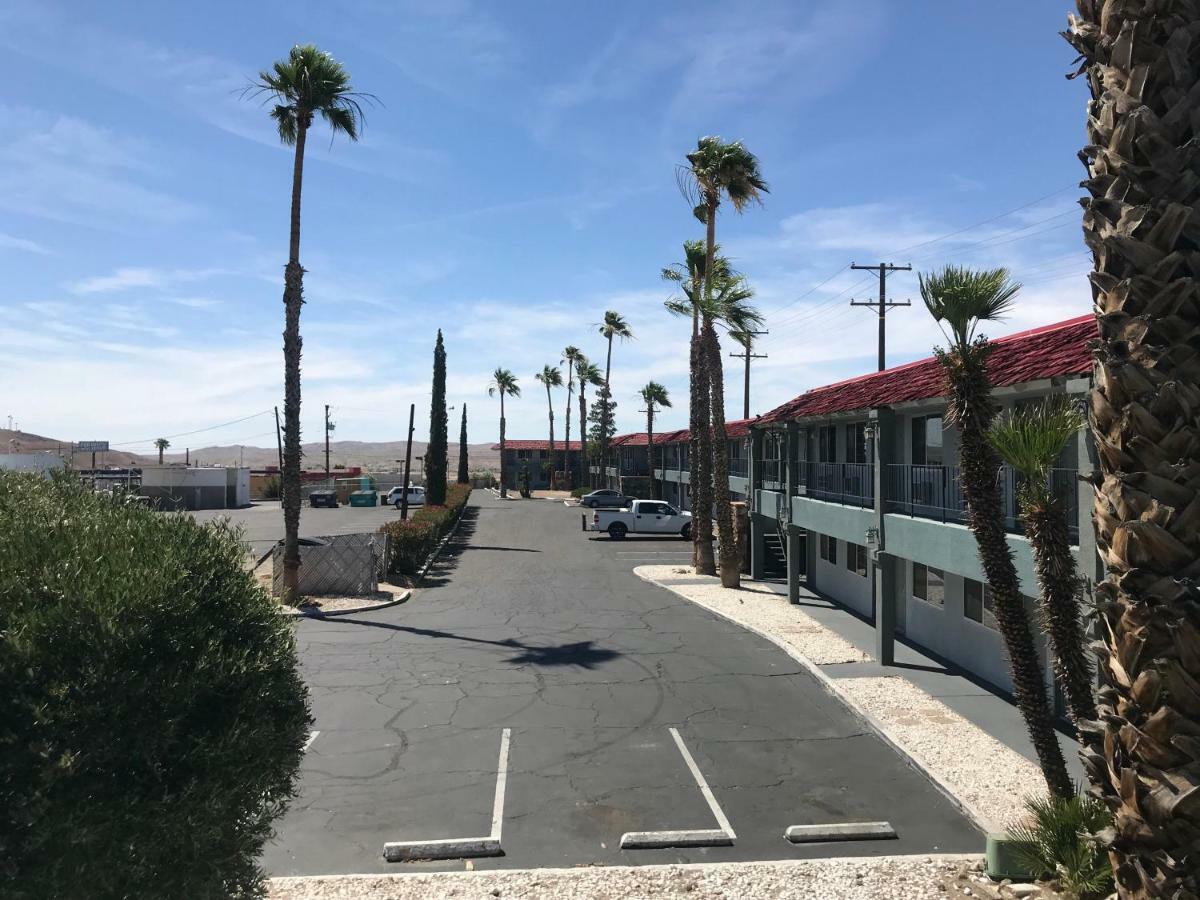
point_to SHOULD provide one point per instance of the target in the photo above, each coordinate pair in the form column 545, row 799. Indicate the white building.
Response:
column 196, row 487
column 31, row 462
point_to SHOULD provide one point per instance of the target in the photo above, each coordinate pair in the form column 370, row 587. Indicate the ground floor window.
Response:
column 829, row 549
column 978, row 603
column 856, row 559
column 929, row 584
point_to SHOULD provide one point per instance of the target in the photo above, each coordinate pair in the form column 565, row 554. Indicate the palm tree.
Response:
column 960, row 299
column 1030, row 442
column 586, row 373
column 505, row 384
column 612, row 326
column 655, row 396
column 162, row 444
column 308, row 83
column 690, row 276
column 717, row 169
column 727, row 303
column 551, row 377
column 571, row 355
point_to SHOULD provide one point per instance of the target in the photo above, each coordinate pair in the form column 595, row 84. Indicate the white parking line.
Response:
column 708, row 837
column 312, row 736
column 459, row 848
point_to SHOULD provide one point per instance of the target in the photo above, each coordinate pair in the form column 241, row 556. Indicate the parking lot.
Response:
column 263, row 522
column 540, row 695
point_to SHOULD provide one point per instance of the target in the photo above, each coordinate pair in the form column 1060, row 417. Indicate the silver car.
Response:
column 604, row 498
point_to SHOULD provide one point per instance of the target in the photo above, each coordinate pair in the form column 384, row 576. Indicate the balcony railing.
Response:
column 773, row 471
column 935, row 492
column 634, row 467
column 851, row 484
column 739, row 466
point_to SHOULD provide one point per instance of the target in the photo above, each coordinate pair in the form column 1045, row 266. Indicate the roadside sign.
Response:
column 92, row 446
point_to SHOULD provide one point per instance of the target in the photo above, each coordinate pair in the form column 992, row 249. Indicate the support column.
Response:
column 883, row 586
column 793, row 563
column 757, row 547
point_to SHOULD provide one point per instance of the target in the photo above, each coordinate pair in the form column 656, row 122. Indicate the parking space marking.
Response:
column 461, row 848
column 846, row 831
column 707, row 837
column 312, row 736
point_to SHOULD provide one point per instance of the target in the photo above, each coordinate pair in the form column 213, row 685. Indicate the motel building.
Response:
column 855, row 495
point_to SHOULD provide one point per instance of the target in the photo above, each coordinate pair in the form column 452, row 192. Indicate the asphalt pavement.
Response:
column 620, row 706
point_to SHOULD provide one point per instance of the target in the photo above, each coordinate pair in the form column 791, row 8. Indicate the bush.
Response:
column 580, row 492
column 1058, row 843
column 411, row 541
column 153, row 719
column 272, row 488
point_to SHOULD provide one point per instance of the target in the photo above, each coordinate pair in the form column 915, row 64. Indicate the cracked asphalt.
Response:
column 531, row 625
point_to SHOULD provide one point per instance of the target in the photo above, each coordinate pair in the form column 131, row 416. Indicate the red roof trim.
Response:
column 733, row 429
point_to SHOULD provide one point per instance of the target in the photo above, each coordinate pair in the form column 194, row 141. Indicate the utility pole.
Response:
column 882, row 304
column 327, row 442
column 279, row 441
column 412, row 411
column 748, row 355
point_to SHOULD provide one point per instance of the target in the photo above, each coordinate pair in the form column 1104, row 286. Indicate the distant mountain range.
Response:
column 376, row 456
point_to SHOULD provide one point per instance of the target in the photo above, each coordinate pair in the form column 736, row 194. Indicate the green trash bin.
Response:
column 364, row 498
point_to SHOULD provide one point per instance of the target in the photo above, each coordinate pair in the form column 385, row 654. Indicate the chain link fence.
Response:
column 343, row 565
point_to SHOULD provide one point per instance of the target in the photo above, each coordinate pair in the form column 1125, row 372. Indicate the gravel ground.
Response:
column 989, row 779
column 872, row 878
column 761, row 608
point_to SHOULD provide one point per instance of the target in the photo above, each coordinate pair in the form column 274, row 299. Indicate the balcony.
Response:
column 850, row 484
column 739, row 466
column 935, row 492
column 773, row 472
column 633, row 467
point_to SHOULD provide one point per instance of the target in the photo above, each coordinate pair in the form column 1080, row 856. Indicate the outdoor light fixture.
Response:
column 872, row 536
column 871, row 430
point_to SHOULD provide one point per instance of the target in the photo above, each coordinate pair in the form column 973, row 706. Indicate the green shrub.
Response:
column 152, row 720
column 1058, row 843
column 580, row 492
column 272, row 488
column 411, row 541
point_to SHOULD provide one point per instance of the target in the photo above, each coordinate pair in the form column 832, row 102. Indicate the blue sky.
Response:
column 516, row 180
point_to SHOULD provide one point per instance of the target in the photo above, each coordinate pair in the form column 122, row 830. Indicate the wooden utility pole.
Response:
column 882, row 304
column 412, row 411
column 327, row 443
column 279, row 442
column 748, row 355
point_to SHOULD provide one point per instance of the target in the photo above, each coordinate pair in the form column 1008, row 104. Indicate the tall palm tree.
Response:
column 613, row 326
column 656, row 397
column 690, row 276
column 960, row 299
column 728, row 304
column 1144, row 756
column 718, row 170
column 586, row 373
column 551, row 377
column 162, row 444
column 1031, row 441
column 505, row 384
column 308, row 83
column 571, row 355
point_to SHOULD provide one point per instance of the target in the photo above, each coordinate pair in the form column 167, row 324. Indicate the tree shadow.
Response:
column 583, row 654
column 443, row 567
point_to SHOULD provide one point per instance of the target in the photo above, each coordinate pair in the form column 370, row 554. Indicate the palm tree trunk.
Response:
column 566, row 466
column 293, row 299
column 1061, row 588
column 503, row 480
column 607, row 409
column 727, row 542
column 700, row 475
column 650, row 450
column 582, row 433
column 550, row 405
column 970, row 406
column 1143, row 757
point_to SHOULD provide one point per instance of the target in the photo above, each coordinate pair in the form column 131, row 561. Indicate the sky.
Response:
column 516, row 178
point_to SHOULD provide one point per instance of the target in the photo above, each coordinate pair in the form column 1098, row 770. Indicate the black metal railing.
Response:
column 773, row 471
column 851, row 484
column 634, row 467
column 935, row 492
column 739, row 466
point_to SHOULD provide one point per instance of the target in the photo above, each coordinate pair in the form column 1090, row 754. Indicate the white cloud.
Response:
column 16, row 243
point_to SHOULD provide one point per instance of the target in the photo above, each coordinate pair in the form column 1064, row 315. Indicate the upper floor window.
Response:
column 927, row 448
column 827, row 443
column 856, row 443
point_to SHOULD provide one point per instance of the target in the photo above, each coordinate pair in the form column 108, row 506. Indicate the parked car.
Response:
column 643, row 517
column 606, row 498
column 416, row 496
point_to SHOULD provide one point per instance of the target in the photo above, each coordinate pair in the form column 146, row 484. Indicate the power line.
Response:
column 882, row 305
column 265, row 412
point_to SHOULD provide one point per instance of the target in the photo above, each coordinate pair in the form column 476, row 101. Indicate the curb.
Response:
column 982, row 822
column 437, row 551
column 294, row 613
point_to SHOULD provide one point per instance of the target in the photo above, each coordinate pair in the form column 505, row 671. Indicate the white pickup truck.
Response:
column 643, row 517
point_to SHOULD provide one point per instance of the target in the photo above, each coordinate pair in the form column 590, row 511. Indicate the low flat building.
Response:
column 41, row 463
column 196, row 487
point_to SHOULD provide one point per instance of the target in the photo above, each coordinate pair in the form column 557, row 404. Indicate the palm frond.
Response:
column 959, row 299
column 1031, row 440
column 655, row 394
column 1060, row 841
column 307, row 83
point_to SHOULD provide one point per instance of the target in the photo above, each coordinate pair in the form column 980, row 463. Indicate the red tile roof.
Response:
column 734, row 429
column 1046, row 352
column 535, row 445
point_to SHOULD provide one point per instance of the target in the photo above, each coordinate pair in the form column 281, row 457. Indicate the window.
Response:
column 829, row 549
column 522, row 454
column 856, row 443
column 856, row 559
column 927, row 441
column 929, row 584
column 827, row 443
column 978, row 603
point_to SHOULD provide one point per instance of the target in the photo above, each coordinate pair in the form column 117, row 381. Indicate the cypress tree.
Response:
column 463, row 477
column 435, row 455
